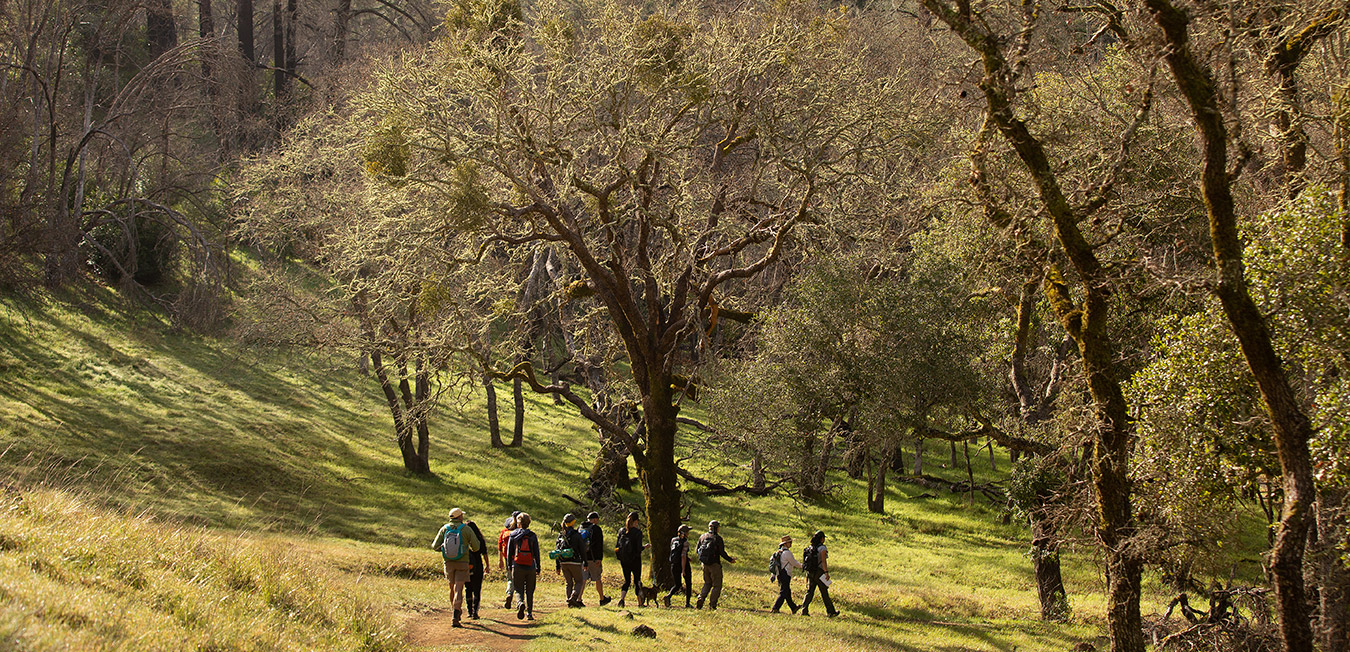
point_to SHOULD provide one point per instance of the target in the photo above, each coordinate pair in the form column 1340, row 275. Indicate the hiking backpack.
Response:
column 621, row 544
column 563, row 548
column 775, row 564
column 524, row 555
column 810, row 559
column 706, row 554
column 452, row 548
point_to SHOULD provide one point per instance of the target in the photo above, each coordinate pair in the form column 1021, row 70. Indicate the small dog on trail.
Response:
column 646, row 595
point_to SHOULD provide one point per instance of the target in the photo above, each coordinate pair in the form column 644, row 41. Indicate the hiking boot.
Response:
column 804, row 612
column 622, row 597
column 697, row 605
column 507, row 605
column 666, row 600
column 606, row 600
column 774, row 611
column 455, row 623
column 529, row 615
column 520, row 612
column 794, row 609
column 831, row 614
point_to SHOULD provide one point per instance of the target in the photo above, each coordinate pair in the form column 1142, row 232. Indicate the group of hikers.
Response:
column 579, row 554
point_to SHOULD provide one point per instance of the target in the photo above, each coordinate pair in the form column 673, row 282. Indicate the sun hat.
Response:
column 683, row 528
column 786, row 539
column 569, row 519
column 456, row 514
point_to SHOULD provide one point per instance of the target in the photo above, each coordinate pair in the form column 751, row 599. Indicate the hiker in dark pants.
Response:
column 478, row 566
column 629, row 552
column 711, row 552
column 679, row 566
column 522, row 559
column 786, row 562
column 815, row 562
column 572, row 549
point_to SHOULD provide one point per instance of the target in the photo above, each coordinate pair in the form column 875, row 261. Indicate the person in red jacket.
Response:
column 502, row 538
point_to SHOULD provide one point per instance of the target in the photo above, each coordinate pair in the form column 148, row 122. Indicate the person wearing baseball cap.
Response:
column 503, row 539
column 571, row 556
column 815, row 561
column 711, row 551
column 455, row 541
column 679, row 566
column 786, row 562
column 595, row 551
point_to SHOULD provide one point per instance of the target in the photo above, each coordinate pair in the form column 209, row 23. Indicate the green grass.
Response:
column 297, row 450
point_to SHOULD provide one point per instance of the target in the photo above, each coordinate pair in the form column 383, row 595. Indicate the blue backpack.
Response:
column 453, row 548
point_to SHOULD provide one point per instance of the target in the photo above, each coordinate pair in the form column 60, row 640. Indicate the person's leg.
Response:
column 530, row 578
column 717, row 586
column 688, row 586
column 783, row 592
column 510, row 589
column 810, row 593
column 825, row 597
column 707, row 585
column 519, row 580
column 627, row 570
column 597, row 577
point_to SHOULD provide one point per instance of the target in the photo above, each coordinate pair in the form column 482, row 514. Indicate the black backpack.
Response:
column 706, row 554
column 810, row 559
column 621, row 544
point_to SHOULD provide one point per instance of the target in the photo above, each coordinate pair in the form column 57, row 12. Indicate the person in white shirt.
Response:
column 786, row 562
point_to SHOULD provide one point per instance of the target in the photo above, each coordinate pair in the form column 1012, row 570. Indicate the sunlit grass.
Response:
column 297, row 451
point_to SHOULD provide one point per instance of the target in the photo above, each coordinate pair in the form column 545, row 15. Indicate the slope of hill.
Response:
column 295, row 449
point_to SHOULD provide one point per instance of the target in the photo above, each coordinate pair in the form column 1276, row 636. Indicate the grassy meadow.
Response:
column 163, row 486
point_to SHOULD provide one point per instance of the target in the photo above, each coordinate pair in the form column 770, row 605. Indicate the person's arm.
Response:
column 824, row 555
column 789, row 560
column 440, row 536
column 535, row 540
column 471, row 541
column 509, row 559
column 722, row 551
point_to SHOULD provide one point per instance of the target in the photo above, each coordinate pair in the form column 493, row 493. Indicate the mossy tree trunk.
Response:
column 1292, row 427
column 1086, row 323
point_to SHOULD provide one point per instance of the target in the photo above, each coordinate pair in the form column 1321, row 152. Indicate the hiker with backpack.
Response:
column 781, row 564
column 455, row 540
column 503, row 537
column 815, row 562
column 595, row 551
column 478, row 567
column 711, row 551
column 629, row 552
column 570, row 554
column 680, row 568
column 522, row 559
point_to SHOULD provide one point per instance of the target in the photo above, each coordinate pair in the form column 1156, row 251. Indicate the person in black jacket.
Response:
column 572, row 564
column 595, row 548
column 522, row 562
column 478, row 566
column 629, row 553
column 711, row 551
column 815, row 561
column 679, row 566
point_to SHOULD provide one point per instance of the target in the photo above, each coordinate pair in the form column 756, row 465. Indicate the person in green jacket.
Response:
column 455, row 541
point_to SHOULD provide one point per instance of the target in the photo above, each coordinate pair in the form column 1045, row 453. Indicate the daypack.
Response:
column 524, row 555
column 706, row 554
column 562, row 549
column 621, row 544
column 775, row 564
column 810, row 558
column 452, row 548
column 677, row 551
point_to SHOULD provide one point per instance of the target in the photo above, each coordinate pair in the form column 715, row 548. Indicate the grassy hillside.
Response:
column 297, row 450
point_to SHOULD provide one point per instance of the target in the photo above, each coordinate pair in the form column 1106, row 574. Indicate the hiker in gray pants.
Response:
column 711, row 552
column 572, row 567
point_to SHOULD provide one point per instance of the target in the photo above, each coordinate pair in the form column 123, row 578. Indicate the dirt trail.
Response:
column 498, row 629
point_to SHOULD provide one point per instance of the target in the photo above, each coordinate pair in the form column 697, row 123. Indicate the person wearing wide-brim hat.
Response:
column 815, row 561
column 786, row 562
column 455, row 541
column 680, row 569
